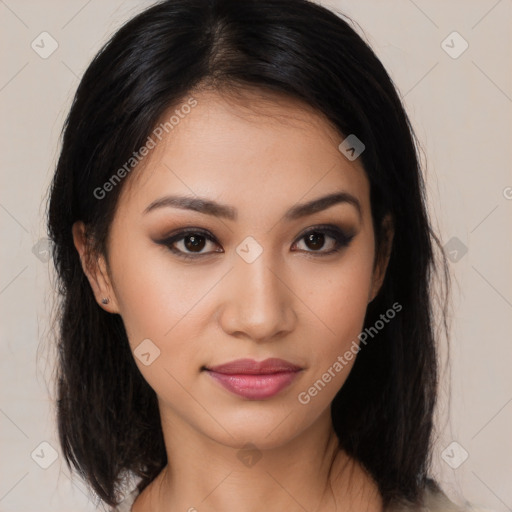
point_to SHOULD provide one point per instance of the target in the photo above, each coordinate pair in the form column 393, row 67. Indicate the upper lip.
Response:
column 252, row 367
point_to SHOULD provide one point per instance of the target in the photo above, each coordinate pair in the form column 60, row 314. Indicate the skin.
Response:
column 261, row 154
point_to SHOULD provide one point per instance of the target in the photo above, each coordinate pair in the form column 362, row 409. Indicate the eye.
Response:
column 190, row 243
column 320, row 236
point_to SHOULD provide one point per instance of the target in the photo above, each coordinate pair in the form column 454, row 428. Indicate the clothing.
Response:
column 435, row 500
column 126, row 504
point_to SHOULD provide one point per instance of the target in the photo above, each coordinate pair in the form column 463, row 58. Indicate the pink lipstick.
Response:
column 255, row 380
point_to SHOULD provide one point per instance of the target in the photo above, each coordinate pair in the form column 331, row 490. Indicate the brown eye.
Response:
column 315, row 240
column 190, row 243
column 194, row 243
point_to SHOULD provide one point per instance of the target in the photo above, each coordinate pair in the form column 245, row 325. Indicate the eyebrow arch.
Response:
column 322, row 203
column 210, row 207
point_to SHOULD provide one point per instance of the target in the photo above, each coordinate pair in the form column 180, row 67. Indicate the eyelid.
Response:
column 330, row 229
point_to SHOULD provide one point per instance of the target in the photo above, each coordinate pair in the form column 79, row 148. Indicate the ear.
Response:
column 95, row 268
column 382, row 258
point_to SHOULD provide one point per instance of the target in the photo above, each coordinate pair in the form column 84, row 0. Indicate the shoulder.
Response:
column 434, row 500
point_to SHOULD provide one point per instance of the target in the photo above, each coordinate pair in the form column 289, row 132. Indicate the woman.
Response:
column 240, row 233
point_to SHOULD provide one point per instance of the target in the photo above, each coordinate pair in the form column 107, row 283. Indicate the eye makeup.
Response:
column 193, row 240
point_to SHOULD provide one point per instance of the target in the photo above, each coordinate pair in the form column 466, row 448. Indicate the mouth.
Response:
column 255, row 380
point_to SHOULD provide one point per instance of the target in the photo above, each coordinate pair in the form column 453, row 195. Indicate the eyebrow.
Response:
column 210, row 207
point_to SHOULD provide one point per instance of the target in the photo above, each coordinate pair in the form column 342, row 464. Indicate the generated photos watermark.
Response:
column 304, row 397
column 143, row 151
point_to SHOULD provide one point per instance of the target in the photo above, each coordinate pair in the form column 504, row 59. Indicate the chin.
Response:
column 264, row 429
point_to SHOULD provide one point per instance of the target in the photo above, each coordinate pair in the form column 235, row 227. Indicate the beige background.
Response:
column 461, row 109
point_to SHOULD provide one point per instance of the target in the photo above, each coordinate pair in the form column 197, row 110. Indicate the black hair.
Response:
column 383, row 414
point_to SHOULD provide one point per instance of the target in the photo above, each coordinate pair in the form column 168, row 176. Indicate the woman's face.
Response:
column 256, row 275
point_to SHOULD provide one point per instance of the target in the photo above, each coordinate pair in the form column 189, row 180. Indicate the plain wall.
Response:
column 461, row 109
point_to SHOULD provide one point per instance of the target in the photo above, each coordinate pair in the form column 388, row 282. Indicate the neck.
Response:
column 309, row 472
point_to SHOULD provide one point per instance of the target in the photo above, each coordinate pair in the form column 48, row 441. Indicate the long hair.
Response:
column 108, row 416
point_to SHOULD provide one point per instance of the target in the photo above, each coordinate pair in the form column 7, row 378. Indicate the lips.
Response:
column 251, row 367
column 255, row 380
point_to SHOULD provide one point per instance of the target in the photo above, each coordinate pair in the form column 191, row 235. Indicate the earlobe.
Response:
column 95, row 269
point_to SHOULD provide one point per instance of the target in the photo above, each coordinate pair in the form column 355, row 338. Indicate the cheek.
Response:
column 171, row 304
column 339, row 293
column 339, row 300
column 348, row 302
column 160, row 301
column 154, row 293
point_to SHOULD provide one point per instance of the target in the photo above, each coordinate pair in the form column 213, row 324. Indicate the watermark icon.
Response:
column 143, row 151
column 351, row 147
column 455, row 249
column 454, row 455
column 41, row 250
column 304, row 397
column 454, row 45
column 146, row 352
column 44, row 455
column 249, row 249
column 249, row 455
column 44, row 45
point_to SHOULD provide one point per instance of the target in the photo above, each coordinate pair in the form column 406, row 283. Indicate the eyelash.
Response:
column 340, row 237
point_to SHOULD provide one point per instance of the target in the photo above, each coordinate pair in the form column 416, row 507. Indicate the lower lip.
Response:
column 255, row 387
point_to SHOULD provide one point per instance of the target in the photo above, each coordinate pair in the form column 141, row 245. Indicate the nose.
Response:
column 259, row 304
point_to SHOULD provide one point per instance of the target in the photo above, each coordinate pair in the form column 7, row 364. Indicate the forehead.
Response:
column 247, row 149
